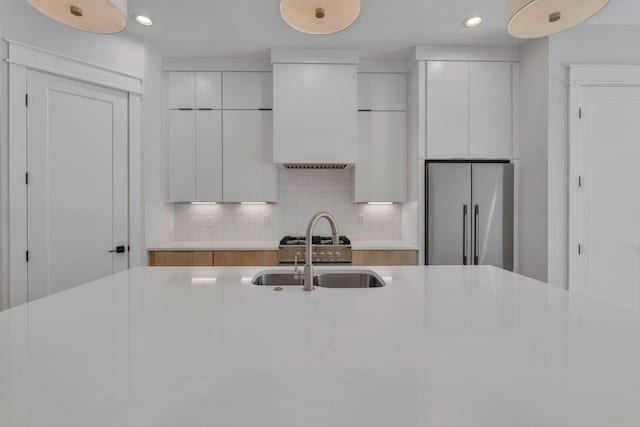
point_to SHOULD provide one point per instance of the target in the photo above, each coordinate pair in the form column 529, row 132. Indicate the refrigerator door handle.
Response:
column 476, row 243
column 465, row 213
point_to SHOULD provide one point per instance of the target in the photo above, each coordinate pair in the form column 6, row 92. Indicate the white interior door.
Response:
column 77, row 163
column 605, row 207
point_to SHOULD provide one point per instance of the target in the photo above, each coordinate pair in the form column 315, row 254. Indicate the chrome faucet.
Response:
column 308, row 264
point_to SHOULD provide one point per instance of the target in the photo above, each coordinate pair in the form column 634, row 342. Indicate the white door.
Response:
column 605, row 208
column 77, row 184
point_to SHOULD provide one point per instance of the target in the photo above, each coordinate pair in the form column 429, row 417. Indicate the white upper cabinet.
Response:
column 249, row 172
column 469, row 110
column 208, row 156
column 382, row 92
column 209, row 90
column 202, row 90
column 381, row 172
column 490, row 110
column 247, row 90
column 182, row 148
column 447, row 110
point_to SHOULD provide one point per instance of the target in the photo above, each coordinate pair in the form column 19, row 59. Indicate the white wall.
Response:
column 302, row 193
column 121, row 52
column 585, row 44
column 533, row 108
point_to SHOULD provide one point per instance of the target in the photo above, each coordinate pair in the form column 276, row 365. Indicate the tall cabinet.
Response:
column 220, row 137
column 469, row 107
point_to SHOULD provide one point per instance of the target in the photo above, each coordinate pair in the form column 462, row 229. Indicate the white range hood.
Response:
column 315, row 107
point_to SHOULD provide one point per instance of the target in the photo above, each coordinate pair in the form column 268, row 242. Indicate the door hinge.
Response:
column 579, row 249
column 580, row 112
column 26, row 99
column 27, row 256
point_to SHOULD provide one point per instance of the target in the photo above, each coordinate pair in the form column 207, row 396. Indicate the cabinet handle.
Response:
column 184, row 109
column 465, row 213
column 476, row 243
column 265, row 109
column 118, row 250
column 205, row 109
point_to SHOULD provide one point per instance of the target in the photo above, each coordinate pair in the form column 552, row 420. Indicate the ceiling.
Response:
column 249, row 28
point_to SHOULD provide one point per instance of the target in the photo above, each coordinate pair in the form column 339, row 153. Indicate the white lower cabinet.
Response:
column 381, row 169
column 195, row 156
column 249, row 174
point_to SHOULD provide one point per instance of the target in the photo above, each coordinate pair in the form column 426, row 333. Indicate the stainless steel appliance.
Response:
column 324, row 251
column 469, row 213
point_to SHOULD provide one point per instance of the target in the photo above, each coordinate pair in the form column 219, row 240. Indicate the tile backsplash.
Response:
column 302, row 193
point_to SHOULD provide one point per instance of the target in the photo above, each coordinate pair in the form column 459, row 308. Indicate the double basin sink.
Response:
column 323, row 279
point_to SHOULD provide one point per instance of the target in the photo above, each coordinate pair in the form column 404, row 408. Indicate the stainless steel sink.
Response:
column 346, row 279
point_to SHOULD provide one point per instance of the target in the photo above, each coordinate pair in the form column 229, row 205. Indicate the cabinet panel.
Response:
column 208, row 89
column 447, row 110
column 249, row 174
column 180, row 258
column 380, row 173
column 365, row 258
column 490, row 100
column 208, row 156
column 181, row 90
column 182, row 141
column 245, row 258
column 247, row 90
column 382, row 92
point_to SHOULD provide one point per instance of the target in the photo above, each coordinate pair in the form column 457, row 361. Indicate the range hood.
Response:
column 315, row 108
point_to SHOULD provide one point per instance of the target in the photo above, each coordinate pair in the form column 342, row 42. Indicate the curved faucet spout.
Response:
column 308, row 264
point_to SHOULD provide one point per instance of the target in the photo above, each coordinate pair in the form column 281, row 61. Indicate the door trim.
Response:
column 23, row 58
column 585, row 76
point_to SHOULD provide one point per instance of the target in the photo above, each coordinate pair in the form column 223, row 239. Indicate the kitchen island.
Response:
column 437, row 346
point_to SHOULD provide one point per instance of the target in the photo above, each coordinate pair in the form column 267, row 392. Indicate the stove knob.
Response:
column 338, row 254
column 329, row 254
column 298, row 254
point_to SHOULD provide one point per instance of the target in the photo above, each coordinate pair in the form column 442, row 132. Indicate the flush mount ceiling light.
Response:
column 320, row 16
column 144, row 20
column 96, row 16
column 539, row 18
column 474, row 21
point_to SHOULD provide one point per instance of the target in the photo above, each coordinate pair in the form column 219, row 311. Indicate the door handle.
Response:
column 465, row 213
column 118, row 250
column 476, row 243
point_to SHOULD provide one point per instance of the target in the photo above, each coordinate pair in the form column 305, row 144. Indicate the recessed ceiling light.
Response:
column 474, row 21
column 144, row 20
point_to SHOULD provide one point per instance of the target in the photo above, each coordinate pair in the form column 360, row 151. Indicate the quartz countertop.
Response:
column 437, row 346
column 269, row 245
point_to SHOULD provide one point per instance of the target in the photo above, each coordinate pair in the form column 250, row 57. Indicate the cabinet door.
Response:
column 249, row 174
column 382, row 92
column 208, row 156
column 181, row 90
column 490, row 100
column 208, row 89
column 182, row 142
column 447, row 110
column 247, row 90
column 381, row 170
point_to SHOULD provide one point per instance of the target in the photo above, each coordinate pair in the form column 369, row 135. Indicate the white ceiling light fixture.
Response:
column 530, row 19
column 96, row 16
column 474, row 21
column 144, row 20
column 320, row 17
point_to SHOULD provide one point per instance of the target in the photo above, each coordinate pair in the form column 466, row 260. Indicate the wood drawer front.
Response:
column 385, row 257
column 180, row 258
column 245, row 258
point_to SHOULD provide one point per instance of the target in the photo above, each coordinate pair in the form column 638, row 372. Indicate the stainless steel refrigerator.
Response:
column 469, row 213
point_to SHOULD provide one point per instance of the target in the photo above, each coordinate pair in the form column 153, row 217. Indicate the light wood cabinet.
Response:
column 389, row 257
column 249, row 173
column 212, row 258
column 382, row 91
column 469, row 110
column 180, row 258
column 245, row 258
column 247, row 90
column 380, row 173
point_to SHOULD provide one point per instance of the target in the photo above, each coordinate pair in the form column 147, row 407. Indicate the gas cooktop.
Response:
column 316, row 240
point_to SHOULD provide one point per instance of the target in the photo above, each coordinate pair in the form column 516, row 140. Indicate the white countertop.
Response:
column 438, row 346
column 360, row 245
